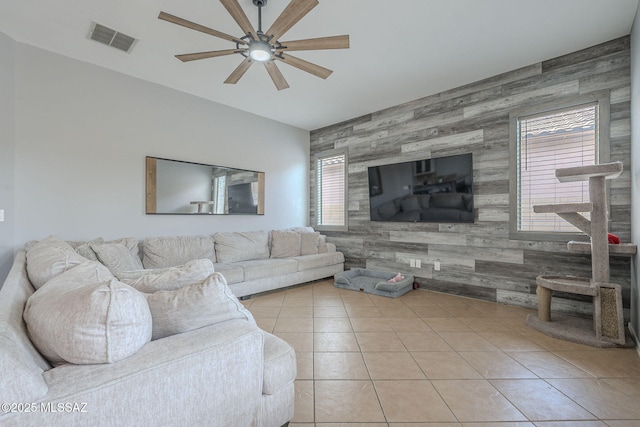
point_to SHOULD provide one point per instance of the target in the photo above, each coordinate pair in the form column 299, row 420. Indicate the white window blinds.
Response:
column 331, row 190
column 547, row 142
column 219, row 194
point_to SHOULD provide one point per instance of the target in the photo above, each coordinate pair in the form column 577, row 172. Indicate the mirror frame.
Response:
column 151, row 190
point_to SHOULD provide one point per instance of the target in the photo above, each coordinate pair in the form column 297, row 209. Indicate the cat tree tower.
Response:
column 607, row 329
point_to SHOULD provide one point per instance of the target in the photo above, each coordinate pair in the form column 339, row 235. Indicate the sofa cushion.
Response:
column 260, row 268
column 48, row 258
column 85, row 316
column 285, row 243
column 309, row 243
column 233, row 273
column 171, row 278
column 279, row 364
column 236, row 246
column 322, row 244
column 173, row 251
column 468, row 202
column 410, row 203
column 117, row 257
column 447, row 200
column 194, row 306
column 310, row 262
column 447, row 215
column 424, row 200
column 411, row 216
column 387, row 210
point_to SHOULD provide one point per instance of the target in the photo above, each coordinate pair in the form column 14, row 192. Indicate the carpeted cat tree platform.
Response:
column 607, row 328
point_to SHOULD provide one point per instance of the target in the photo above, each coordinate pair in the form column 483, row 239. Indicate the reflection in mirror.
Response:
column 178, row 187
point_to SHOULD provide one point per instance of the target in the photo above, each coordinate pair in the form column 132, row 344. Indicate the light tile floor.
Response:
column 429, row 360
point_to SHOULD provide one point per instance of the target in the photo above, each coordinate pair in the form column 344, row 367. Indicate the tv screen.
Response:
column 430, row 190
column 241, row 199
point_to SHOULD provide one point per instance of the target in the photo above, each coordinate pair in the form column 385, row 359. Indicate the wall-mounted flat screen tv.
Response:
column 438, row 189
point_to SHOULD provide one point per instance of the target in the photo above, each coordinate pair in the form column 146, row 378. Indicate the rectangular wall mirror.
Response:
column 176, row 187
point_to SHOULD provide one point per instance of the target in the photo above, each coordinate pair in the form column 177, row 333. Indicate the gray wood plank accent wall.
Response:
column 479, row 260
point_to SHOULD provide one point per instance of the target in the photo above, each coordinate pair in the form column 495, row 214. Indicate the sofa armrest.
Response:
column 221, row 363
column 331, row 247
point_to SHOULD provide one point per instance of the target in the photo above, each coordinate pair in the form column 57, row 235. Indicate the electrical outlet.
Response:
column 418, row 263
column 1, row 214
column 412, row 263
column 436, row 265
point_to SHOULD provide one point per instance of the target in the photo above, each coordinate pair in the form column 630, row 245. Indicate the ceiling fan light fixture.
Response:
column 258, row 46
column 260, row 51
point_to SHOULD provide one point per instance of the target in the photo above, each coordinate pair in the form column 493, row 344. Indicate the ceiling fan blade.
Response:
column 239, row 71
column 333, row 42
column 183, row 22
column 294, row 12
column 307, row 66
column 236, row 12
column 276, row 75
column 203, row 55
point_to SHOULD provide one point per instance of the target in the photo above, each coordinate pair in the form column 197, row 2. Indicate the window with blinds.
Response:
column 331, row 211
column 219, row 194
column 546, row 142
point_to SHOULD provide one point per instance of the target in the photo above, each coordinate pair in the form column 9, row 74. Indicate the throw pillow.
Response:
column 84, row 316
column 194, row 306
column 117, row 257
column 169, row 279
column 86, row 251
column 309, row 243
column 302, row 230
column 131, row 275
column 49, row 258
column 285, row 243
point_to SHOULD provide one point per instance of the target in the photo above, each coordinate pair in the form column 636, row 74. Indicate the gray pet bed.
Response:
column 373, row 282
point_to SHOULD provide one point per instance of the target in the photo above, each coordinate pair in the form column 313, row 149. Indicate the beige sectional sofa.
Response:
column 252, row 262
column 98, row 339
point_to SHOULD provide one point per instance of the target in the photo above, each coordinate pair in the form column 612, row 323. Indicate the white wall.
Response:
column 7, row 138
column 635, row 173
column 82, row 134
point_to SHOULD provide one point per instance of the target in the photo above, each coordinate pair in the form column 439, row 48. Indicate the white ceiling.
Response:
column 401, row 50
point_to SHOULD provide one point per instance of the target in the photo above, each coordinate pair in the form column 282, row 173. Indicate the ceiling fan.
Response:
column 265, row 47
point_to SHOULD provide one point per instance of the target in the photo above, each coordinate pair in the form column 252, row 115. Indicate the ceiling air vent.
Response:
column 110, row 37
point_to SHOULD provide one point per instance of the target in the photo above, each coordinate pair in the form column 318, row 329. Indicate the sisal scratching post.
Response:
column 544, row 303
